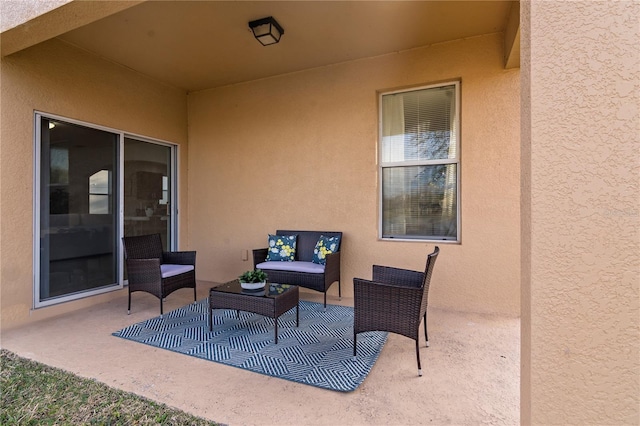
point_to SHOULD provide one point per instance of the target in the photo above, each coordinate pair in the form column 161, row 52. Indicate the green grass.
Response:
column 36, row 394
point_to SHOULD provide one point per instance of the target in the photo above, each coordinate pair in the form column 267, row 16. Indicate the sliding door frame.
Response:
column 37, row 163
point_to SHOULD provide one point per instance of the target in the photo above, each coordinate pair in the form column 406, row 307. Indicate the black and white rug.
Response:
column 319, row 352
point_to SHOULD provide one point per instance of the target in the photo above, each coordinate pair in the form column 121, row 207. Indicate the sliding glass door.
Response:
column 147, row 189
column 77, row 209
column 94, row 185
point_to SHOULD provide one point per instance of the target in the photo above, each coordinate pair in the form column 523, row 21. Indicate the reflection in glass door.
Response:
column 147, row 189
column 77, row 231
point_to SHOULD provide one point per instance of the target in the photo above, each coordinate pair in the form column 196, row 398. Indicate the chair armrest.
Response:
column 385, row 297
column 179, row 257
column 397, row 276
column 143, row 270
column 332, row 267
column 259, row 256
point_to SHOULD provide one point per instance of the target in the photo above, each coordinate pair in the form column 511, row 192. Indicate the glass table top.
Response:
column 269, row 290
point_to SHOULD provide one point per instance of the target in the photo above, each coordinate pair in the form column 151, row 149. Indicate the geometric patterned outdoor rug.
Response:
column 319, row 352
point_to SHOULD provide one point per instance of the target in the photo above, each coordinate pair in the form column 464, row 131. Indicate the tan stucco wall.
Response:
column 55, row 78
column 18, row 12
column 581, row 203
column 298, row 151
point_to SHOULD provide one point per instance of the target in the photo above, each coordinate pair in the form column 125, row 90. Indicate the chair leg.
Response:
column 426, row 337
column 339, row 291
column 354, row 345
column 418, row 357
column 161, row 311
column 325, row 301
column 129, row 307
column 276, row 330
column 195, row 297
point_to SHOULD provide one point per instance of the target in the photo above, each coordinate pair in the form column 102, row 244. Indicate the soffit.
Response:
column 197, row 45
column 24, row 23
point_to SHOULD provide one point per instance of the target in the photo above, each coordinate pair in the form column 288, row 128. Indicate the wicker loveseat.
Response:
column 302, row 271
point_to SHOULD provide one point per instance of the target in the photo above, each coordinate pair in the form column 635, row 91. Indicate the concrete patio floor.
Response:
column 471, row 370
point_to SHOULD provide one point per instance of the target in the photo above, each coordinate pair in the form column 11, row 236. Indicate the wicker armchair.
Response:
column 395, row 300
column 155, row 271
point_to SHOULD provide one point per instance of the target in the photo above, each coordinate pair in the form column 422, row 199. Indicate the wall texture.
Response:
column 16, row 13
column 299, row 151
column 55, row 78
column 581, row 357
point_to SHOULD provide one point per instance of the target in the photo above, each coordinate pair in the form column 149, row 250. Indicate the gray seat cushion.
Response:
column 169, row 270
column 295, row 266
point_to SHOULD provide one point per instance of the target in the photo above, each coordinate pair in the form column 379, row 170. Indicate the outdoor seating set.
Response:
column 395, row 300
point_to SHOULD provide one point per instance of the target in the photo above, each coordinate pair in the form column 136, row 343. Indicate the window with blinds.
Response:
column 420, row 163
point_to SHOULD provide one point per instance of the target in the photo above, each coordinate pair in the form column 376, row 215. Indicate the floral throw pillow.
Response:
column 324, row 246
column 282, row 248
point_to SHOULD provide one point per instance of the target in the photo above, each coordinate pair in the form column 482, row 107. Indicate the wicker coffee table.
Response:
column 272, row 301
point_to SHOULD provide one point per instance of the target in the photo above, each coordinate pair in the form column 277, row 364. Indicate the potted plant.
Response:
column 253, row 280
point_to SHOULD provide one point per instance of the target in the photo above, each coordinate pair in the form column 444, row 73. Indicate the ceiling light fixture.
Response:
column 266, row 30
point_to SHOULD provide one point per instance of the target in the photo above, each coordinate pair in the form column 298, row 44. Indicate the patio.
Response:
column 549, row 170
column 471, row 370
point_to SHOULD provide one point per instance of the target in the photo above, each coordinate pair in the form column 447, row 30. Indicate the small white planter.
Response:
column 253, row 286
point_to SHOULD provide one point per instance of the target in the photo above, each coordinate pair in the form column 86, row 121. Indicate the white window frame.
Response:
column 382, row 165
